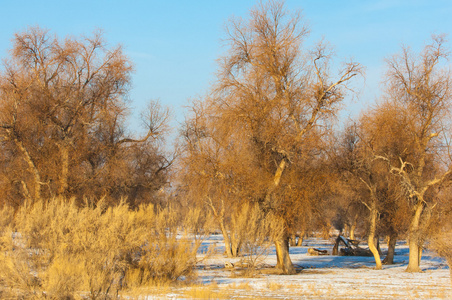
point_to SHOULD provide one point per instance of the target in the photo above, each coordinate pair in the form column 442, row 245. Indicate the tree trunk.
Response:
column 236, row 244
column 377, row 243
column 389, row 259
column 292, row 240
column 227, row 241
column 449, row 262
column 276, row 181
column 220, row 219
column 413, row 240
column 300, row 239
column 33, row 169
column 63, row 182
column 346, row 230
column 282, row 244
column 413, row 260
column 326, row 231
column 353, row 227
column 371, row 239
column 335, row 250
column 284, row 263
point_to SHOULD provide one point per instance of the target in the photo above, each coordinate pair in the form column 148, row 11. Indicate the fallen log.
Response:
column 316, row 252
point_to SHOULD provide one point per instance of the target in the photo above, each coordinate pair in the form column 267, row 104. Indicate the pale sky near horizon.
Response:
column 174, row 44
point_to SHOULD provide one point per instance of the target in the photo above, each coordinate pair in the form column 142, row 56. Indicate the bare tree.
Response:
column 63, row 104
column 420, row 88
column 270, row 103
column 441, row 239
column 363, row 175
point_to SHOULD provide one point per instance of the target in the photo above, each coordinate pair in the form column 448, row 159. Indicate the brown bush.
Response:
column 441, row 243
column 57, row 250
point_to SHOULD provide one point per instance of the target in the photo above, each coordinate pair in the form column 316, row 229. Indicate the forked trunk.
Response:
column 371, row 240
column 389, row 259
column 227, row 241
column 284, row 263
column 220, row 219
column 300, row 239
column 414, row 240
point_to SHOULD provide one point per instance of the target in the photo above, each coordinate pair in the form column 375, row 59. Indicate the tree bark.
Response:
column 371, row 239
column 292, row 240
column 335, row 250
column 300, row 239
column 346, row 230
column 389, row 259
column 276, row 181
column 63, row 182
column 353, row 227
column 236, row 243
column 414, row 259
column 284, row 263
column 227, row 241
column 326, row 231
column 220, row 219
column 377, row 243
column 449, row 262
column 32, row 167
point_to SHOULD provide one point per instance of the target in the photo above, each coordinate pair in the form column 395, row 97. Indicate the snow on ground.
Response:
column 319, row 277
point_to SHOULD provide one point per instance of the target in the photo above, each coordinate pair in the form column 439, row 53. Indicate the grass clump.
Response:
column 59, row 250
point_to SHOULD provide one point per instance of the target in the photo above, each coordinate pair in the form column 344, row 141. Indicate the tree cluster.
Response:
column 265, row 135
column 63, row 106
column 262, row 146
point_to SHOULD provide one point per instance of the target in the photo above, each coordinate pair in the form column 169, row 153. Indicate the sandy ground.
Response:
column 318, row 277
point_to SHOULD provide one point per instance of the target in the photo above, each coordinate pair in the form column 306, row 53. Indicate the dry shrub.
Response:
column 441, row 236
column 6, row 216
column 442, row 244
column 57, row 250
column 273, row 286
column 210, row 291
column 198, row 222
column 162, row 262
column 257, row 231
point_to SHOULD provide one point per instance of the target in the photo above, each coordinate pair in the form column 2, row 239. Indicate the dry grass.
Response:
column 241, row 286
column 441, row 242
column 206, row 293
column 57, row 249
column 273, row 286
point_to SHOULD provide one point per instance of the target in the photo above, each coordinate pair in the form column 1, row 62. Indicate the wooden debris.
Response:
column 316, row 252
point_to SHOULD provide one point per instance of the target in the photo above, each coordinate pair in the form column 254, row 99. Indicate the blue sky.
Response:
column 174, row 44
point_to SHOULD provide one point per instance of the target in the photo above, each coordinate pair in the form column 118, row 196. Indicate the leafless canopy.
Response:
column 63, row 104
column 267, row 111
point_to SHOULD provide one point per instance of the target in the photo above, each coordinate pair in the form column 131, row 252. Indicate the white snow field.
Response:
column 318, row 277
